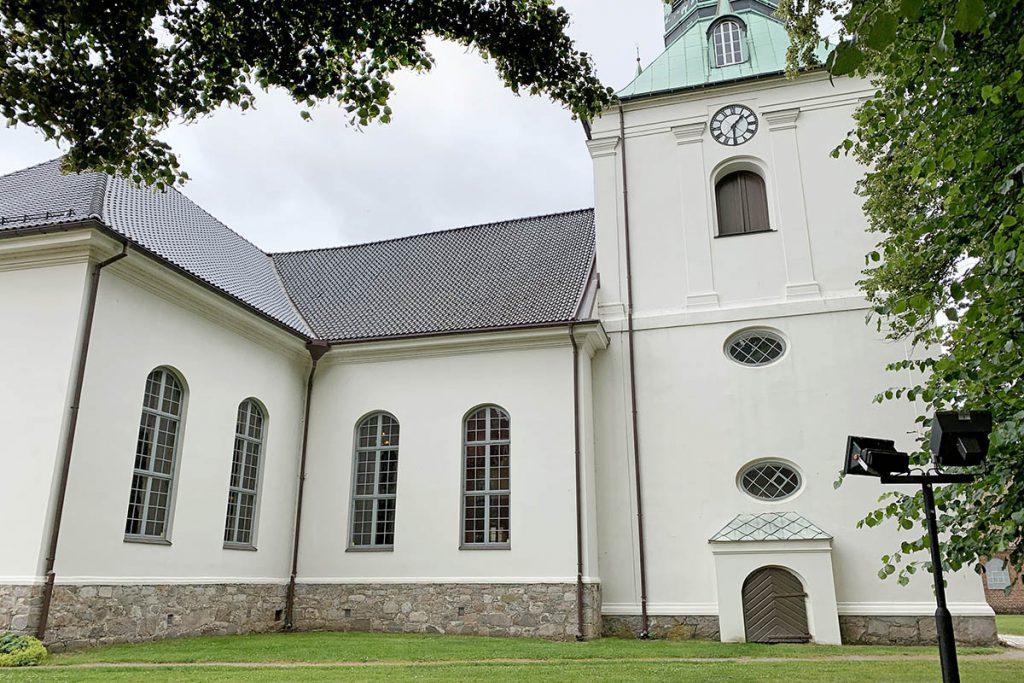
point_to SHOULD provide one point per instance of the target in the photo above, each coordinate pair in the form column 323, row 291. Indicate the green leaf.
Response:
column 969, row 15
column 911, row 9
column 882, row 32
column 845, row 59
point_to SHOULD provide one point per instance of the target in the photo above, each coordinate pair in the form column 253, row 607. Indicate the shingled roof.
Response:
column 515, row 273
column 521, row 272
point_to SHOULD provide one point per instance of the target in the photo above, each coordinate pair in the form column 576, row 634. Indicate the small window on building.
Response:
column 755, row 347
column 245, row 475
column 742, row 204
column 486, row 485
column 156, row 454
column 997, row 576
column 375, row 482
column 727, row 41
column 770, row 481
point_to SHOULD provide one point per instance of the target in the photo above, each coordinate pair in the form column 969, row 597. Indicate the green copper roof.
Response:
column 688, row 61
column 770, row 526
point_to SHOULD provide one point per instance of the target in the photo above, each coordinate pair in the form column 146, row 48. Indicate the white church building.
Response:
column 624, row 421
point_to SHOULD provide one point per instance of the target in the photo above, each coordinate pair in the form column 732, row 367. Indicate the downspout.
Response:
column 579, row 497
column 644, row 624
column 69, row 437
column 316, row 352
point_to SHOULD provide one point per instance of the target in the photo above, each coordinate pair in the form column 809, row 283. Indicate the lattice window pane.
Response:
column 240, row 520
column 728, row 43
column 375, row 481
column 486, row 481
column 770, row 481
column 757, row 348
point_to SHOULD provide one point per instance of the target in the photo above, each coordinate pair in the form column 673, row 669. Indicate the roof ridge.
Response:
column 41, row 163
column 492, row 224
column 309, row 331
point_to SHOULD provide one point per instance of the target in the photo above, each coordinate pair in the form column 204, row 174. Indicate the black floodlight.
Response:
column 874, row 457
column 960, row 439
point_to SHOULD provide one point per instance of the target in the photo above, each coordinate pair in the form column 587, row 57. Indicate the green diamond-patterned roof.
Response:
column 771, row 526
column 687, row 62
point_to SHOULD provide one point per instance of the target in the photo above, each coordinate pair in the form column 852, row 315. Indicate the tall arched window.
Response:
column 245, row 475
column 742, row 204
column 155, row 457
column 485, row 510
column 727, row 40
column 375, row 482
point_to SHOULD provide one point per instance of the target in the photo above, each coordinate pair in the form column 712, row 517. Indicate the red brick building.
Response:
column 999, row 575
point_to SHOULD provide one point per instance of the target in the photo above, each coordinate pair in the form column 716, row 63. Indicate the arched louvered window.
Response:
column 727, row 41
column 375, row 483
column 486, row 484
column 156, row 454
column 245, row 475
column 742, row 204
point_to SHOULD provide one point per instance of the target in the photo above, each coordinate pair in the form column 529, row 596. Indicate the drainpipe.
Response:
column 644, row 623
column 316, row 352
column 69, row 436
column 579, row 496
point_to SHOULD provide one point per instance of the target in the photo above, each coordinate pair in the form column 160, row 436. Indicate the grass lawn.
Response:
column 376, row 656
column 1010, row 624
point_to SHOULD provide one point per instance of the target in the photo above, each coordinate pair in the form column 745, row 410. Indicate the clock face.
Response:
column 733, row 125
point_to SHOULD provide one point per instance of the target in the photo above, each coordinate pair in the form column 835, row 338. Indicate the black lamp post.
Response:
column 959, row 439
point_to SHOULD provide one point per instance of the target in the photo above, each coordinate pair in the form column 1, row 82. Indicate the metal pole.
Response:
column 943, row 619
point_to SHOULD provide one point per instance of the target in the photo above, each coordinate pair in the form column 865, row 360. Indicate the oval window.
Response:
column 770, row 481
column 756, row 347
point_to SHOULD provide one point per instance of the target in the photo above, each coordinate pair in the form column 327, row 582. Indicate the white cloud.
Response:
column 462, row 149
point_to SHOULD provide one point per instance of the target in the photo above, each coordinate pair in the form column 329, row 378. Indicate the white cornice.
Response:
column 392, row 580
column 687, row 133
column 602, row 147
column 151, row 276
column 78, row 245
column 449, row 344
column 667, row 609
column 590, row 337
column 781, row 119
column 773, row 547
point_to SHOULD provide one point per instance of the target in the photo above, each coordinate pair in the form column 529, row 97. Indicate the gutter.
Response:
column 579, row 498
column 316, row 352
column 708, row 86
column 644, row 622
column 69, row 436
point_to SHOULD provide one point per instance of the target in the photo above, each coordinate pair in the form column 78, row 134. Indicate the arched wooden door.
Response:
column 775, row 607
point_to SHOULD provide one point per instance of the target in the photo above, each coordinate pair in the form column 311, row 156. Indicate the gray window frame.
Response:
column 776, row 463
column 764, row 332
column 487, row 492
column 236, row 486
column 377, row 449
column 150, row 475
column 719, row 31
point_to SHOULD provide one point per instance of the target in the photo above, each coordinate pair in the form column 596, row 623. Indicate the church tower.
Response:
column 729, row 246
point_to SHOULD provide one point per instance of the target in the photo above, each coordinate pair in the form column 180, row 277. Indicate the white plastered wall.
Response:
column 42, row 284
column 429, row 386
column 148, row 317
column 702, row 417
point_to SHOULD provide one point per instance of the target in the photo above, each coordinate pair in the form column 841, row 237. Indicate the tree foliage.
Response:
column 943, row 141
column 106, row 77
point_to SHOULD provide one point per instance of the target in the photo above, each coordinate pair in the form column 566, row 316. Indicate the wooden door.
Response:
column 775, row 607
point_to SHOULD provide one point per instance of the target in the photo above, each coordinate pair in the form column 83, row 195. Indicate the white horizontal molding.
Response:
column 661, row 609
column 660, row 319
column 371, row 580
column 169, row 580
column 771, row 547
column 920, row 609
column 73, row 245
column 22, row 580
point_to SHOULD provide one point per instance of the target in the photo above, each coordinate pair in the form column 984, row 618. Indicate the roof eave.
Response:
column 708, row 86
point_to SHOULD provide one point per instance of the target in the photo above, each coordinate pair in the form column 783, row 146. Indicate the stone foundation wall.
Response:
column 19, row 608
column 913, row 630
column 528, row 610
column 667, row 627
column 91, row 615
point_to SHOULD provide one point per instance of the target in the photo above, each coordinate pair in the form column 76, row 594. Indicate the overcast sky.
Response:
column 461, row 149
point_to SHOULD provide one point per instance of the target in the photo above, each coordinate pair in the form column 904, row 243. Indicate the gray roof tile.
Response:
column 519, row 272
column 514, row 273
column 770, row 526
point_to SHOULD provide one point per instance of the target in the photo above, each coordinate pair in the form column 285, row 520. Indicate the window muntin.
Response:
column 997, row 575
column 770, row 481
column 486, row 482
column 245, row 474
column 756, row 347
column 742, row 202
column 155, row 457
column 375, row 482
column 727, row 39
